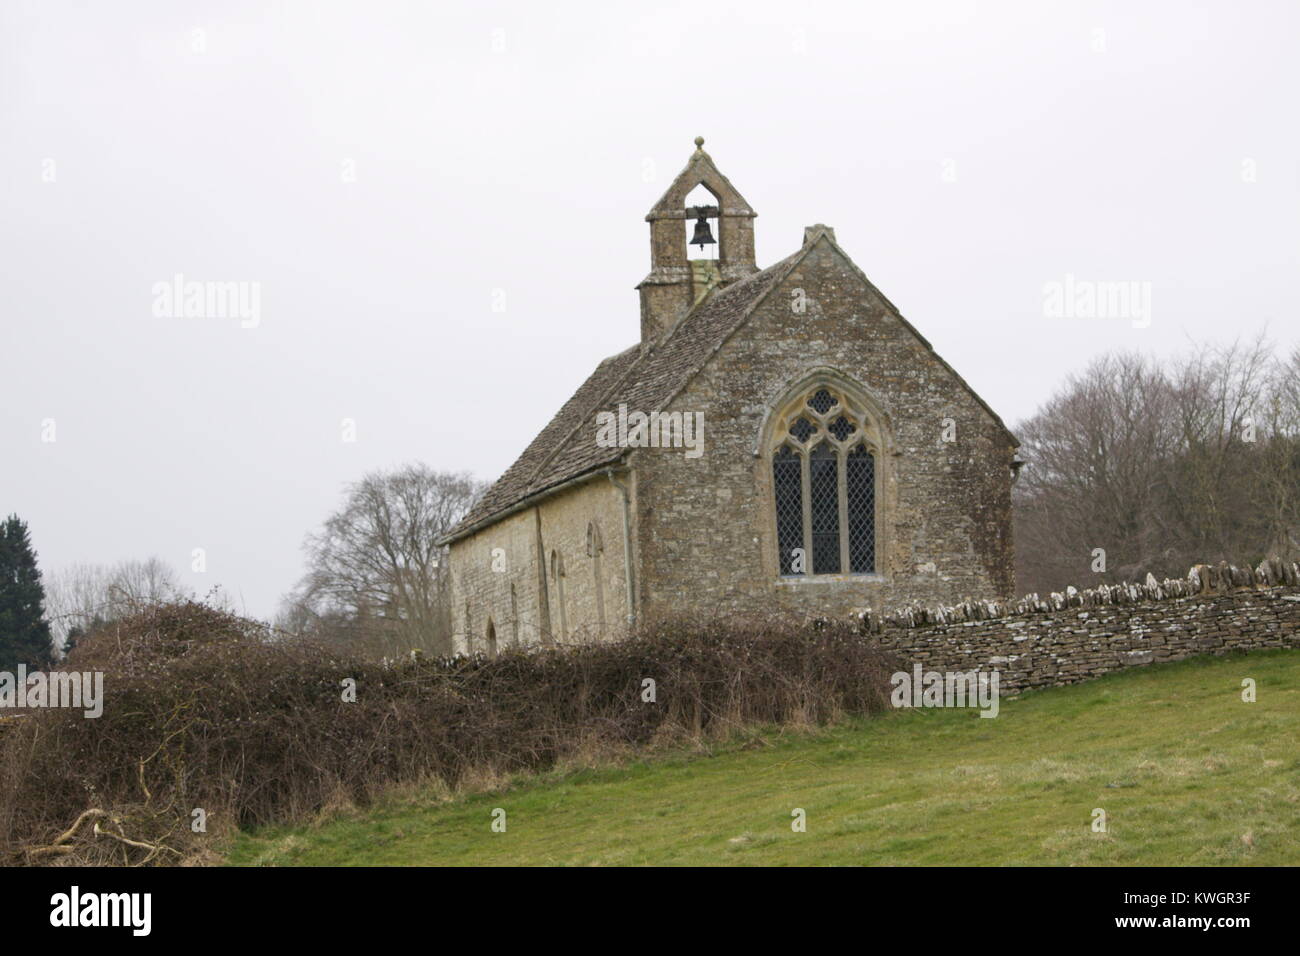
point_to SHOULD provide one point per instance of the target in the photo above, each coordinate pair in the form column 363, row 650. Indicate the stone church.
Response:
column 778, row 438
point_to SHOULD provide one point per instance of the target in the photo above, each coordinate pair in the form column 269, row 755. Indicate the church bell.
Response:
column 703, row 234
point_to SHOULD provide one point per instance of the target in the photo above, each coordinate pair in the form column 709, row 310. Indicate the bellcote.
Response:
column 675, row 282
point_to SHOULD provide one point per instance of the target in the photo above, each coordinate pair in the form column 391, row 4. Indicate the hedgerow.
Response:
column 205, row 711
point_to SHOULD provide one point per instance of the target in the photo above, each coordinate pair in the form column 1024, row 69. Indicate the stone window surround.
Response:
column 878, row 436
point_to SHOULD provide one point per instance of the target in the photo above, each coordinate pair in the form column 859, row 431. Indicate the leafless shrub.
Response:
column 203, row 711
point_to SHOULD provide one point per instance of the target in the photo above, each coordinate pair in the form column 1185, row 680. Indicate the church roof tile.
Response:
column 644, row 377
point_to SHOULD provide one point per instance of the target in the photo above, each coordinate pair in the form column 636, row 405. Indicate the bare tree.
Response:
column 1095, row 454
column 376, row 577
column 1153, row 468
column 1279, row 466
column 1219, row 396
column 80, row 597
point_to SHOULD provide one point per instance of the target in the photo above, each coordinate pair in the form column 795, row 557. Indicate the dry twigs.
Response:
column 203, row 713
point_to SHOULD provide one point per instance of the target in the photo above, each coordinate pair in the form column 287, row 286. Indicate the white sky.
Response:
column 517, row 147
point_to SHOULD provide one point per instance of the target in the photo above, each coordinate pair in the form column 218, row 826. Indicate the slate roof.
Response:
column 645, row 378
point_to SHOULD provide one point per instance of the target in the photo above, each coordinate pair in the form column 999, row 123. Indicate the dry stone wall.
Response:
column 1076, row 635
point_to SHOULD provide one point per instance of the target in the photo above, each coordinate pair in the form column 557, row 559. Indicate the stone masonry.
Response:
column 1077, row 635
column 683, row 534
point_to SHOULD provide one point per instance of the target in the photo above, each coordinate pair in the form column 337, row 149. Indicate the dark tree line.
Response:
column 1141, row 465
column 24, row 631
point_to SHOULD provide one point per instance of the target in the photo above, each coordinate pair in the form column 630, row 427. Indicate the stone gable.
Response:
column 927, row 517
column 705, row 526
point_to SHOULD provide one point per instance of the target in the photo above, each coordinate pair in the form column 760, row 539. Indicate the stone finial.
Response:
column 699, row 142
column 811, row 232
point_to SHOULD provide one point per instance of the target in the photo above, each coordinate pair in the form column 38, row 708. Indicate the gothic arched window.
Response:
column 824, row 452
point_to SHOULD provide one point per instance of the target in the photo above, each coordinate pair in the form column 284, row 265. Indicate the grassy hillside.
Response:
column 1186, row 772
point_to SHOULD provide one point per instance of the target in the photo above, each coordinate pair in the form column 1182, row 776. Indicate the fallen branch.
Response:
column 63, row 845
column 60, row 845
column 154, row 849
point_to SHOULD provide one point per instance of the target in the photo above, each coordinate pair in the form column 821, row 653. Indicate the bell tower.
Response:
column 675, row 283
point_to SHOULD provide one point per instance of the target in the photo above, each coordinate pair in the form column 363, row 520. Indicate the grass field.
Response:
column 1186, row 772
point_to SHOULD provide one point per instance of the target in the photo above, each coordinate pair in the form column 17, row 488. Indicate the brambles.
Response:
column 205, row 710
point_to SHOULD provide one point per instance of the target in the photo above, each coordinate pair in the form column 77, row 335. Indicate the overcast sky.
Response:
column 442, row 208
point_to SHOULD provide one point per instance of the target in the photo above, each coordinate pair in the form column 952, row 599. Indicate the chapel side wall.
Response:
column 564, row 530
column 487, row 592
column 564, row 518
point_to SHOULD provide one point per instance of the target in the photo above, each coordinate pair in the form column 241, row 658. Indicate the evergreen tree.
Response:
column 78, row 631
column 24, row 632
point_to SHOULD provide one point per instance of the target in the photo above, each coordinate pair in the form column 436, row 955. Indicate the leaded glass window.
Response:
column 824, row 474
column 822, row 401
column 787, row 481
column 823, row 479
column 860, row 498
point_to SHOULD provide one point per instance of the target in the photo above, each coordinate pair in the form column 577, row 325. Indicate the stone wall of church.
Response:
column 495, row 573
column 705, row 527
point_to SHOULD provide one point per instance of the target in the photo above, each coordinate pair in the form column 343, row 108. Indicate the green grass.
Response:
column 1187, row 773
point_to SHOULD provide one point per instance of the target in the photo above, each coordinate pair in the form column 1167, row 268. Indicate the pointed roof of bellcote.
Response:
column 699, row 170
